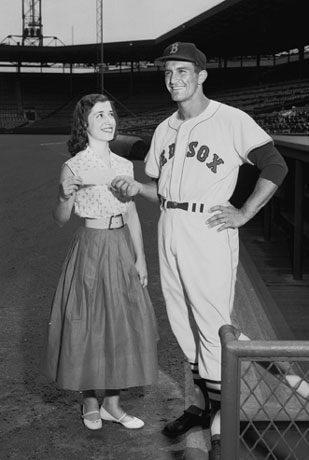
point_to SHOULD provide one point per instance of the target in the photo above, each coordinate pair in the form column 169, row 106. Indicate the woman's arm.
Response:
column 68, row 186
column 135, row 229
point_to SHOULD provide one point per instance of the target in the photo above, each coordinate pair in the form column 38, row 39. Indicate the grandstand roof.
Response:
column 232, row 28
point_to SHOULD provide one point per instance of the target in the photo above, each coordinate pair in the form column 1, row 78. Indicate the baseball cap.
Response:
column 180, row 51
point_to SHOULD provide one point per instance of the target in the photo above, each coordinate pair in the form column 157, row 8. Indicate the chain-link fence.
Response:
column 265, row 399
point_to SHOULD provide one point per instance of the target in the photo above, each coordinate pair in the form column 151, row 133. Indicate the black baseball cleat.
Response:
column 193, row 416
column 215, row 453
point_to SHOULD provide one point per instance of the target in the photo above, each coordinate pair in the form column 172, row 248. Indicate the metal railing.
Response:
column 265, row 398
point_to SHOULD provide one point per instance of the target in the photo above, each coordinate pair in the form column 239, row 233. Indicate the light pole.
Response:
column 100, row 41
column 32, row 33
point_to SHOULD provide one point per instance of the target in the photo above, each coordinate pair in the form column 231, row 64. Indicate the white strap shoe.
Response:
column 133, row 424
column 91, row 424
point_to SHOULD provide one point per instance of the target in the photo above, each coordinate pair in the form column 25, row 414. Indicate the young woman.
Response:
column 102, row 332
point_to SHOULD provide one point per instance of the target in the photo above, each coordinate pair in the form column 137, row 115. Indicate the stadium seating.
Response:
column 11, row 118
column 44, row 101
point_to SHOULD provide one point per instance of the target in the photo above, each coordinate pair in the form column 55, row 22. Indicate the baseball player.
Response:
column 193, row 162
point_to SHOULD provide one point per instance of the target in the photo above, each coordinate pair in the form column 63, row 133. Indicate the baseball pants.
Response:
column 198, row 268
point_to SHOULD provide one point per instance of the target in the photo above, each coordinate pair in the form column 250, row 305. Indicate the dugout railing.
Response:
column 265, row 398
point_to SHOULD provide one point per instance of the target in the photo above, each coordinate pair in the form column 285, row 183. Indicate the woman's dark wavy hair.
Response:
column 79, row 138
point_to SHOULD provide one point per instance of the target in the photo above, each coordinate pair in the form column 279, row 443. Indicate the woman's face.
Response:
column 101, row 122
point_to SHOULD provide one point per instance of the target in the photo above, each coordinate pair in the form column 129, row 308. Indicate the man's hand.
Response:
column 226, row 217
column 125, row 186
column 230, row 217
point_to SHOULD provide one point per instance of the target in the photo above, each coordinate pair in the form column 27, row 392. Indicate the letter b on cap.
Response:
column 174, row 48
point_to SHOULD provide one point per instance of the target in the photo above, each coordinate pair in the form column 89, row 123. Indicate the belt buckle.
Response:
column 110, row 225
column 172, row 204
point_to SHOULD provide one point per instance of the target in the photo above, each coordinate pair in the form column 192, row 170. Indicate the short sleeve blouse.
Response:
column 97, row 201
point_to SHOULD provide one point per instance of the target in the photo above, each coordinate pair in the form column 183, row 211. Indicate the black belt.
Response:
column 185, row 206
column 175, row 205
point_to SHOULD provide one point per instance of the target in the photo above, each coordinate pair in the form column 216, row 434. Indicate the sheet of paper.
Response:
column 98, row 176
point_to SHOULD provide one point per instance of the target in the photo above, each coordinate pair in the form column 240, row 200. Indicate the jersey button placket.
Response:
column 178, row 164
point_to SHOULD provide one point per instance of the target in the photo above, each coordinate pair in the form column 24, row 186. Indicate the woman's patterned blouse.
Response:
column 96, row 201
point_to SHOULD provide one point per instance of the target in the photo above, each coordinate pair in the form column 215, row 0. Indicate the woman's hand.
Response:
column 69, row 186
column 141, row 268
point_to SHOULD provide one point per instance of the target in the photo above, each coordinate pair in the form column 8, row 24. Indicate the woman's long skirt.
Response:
column 102, row 331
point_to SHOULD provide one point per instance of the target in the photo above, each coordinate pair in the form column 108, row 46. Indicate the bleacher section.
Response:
column 293, row 121
column 11, row 118
column 43, row 95
column 274, row 106
column 11, row 113
column 267, row 97
column 45, row 102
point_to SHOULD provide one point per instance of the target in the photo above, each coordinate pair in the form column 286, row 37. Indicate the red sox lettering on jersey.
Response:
column 201, row 153
column 198, row 159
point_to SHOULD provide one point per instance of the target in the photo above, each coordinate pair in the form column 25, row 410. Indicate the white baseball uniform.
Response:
column 197, row 162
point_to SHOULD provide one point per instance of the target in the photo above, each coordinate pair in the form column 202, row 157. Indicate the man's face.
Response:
column 181, row 79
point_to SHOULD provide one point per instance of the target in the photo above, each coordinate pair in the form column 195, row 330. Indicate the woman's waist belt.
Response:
column 107, row 222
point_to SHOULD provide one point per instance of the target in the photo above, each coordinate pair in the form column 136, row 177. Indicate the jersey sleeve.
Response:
column 152, row 163
column 248, row 135
column 270, row 162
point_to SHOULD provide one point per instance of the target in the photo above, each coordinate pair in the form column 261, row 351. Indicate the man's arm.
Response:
column 273, row 170
column 126, row 186
column 231, row 217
